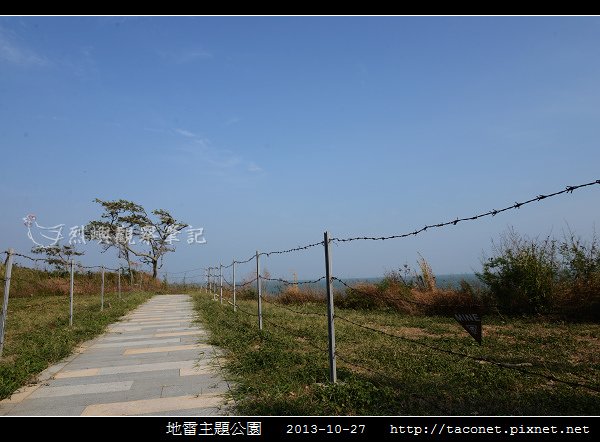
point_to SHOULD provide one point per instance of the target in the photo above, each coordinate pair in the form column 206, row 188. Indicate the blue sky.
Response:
column 269, row 131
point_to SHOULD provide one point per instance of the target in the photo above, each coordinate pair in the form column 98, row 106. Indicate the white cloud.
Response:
column 12, row 53
column 253, row 167
column 186, row 133
column 201, row 150
column 232, row 121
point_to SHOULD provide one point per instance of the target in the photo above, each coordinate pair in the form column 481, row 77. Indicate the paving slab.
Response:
column 154, row 361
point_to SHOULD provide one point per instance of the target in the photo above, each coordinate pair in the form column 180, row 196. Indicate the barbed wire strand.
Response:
column 494, row 212
column 295, row 249
column 270, row 322
column 274, row 252
column 246, row 260
column 62, row 262
column 286, row 282
column 184, row 276
column 243, row 284
column 475, row 358
column 183, row 271
column 239, row 308
column 36, row 259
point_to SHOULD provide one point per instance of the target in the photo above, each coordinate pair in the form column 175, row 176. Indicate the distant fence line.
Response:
column 215, row 279
column 6, row 279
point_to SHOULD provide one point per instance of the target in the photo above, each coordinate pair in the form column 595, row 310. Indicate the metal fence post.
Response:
column 330, row 312
column 215, row 285
column 258, row 289
column 208, row 280
column 7, row 274
column 208, row 287
column 71, row 296
column 233, row 276
column 119, row 283
column 212, row 283
column 102, row 291
column 221, row 283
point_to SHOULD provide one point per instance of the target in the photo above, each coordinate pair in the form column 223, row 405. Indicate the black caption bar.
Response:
column 382, row 428
column 195, row 428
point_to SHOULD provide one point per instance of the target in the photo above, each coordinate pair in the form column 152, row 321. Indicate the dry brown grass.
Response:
column 445, row 301
column 426, row 280
column 30, row 282
column 414, row 301
column 293, row 294
column 579, row 300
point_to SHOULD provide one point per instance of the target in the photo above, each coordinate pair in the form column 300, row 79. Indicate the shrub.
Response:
column 522, row 274
column 246, row 293
column 578, row 292
column 580, row 259
column 362, row 296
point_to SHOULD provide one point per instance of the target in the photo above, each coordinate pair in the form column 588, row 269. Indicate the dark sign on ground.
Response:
column 471, row 322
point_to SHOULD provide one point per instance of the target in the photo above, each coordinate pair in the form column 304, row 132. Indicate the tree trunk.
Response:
column 154, row 268
column 130, row 271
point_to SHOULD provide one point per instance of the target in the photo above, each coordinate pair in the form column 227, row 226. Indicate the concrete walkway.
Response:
column 152, row 362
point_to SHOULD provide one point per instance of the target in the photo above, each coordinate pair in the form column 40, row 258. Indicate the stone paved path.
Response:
column 152, row 362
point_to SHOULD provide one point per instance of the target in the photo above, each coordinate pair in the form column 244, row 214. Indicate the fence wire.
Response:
column 474, row 358
column 286, row 282
column 494, row 212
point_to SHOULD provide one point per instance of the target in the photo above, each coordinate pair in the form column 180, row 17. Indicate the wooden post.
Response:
column 330, row 312
column 7, row 275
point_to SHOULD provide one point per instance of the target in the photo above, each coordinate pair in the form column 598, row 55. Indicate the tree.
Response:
column 58, row 256
column 123, row 222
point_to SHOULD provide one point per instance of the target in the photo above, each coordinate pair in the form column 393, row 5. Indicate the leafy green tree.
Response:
column 58, row 256
column 128, row 227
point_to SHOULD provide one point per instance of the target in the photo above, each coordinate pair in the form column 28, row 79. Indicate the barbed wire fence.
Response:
column 69, row 265
column 215, row 280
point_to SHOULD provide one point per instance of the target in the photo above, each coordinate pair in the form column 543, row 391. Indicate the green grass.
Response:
column 38, row 332
column 281, row 373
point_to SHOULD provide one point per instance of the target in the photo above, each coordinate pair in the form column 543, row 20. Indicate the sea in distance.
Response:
column 451, row 281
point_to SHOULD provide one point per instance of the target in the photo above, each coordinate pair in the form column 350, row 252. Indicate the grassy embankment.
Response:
column 284, row 369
